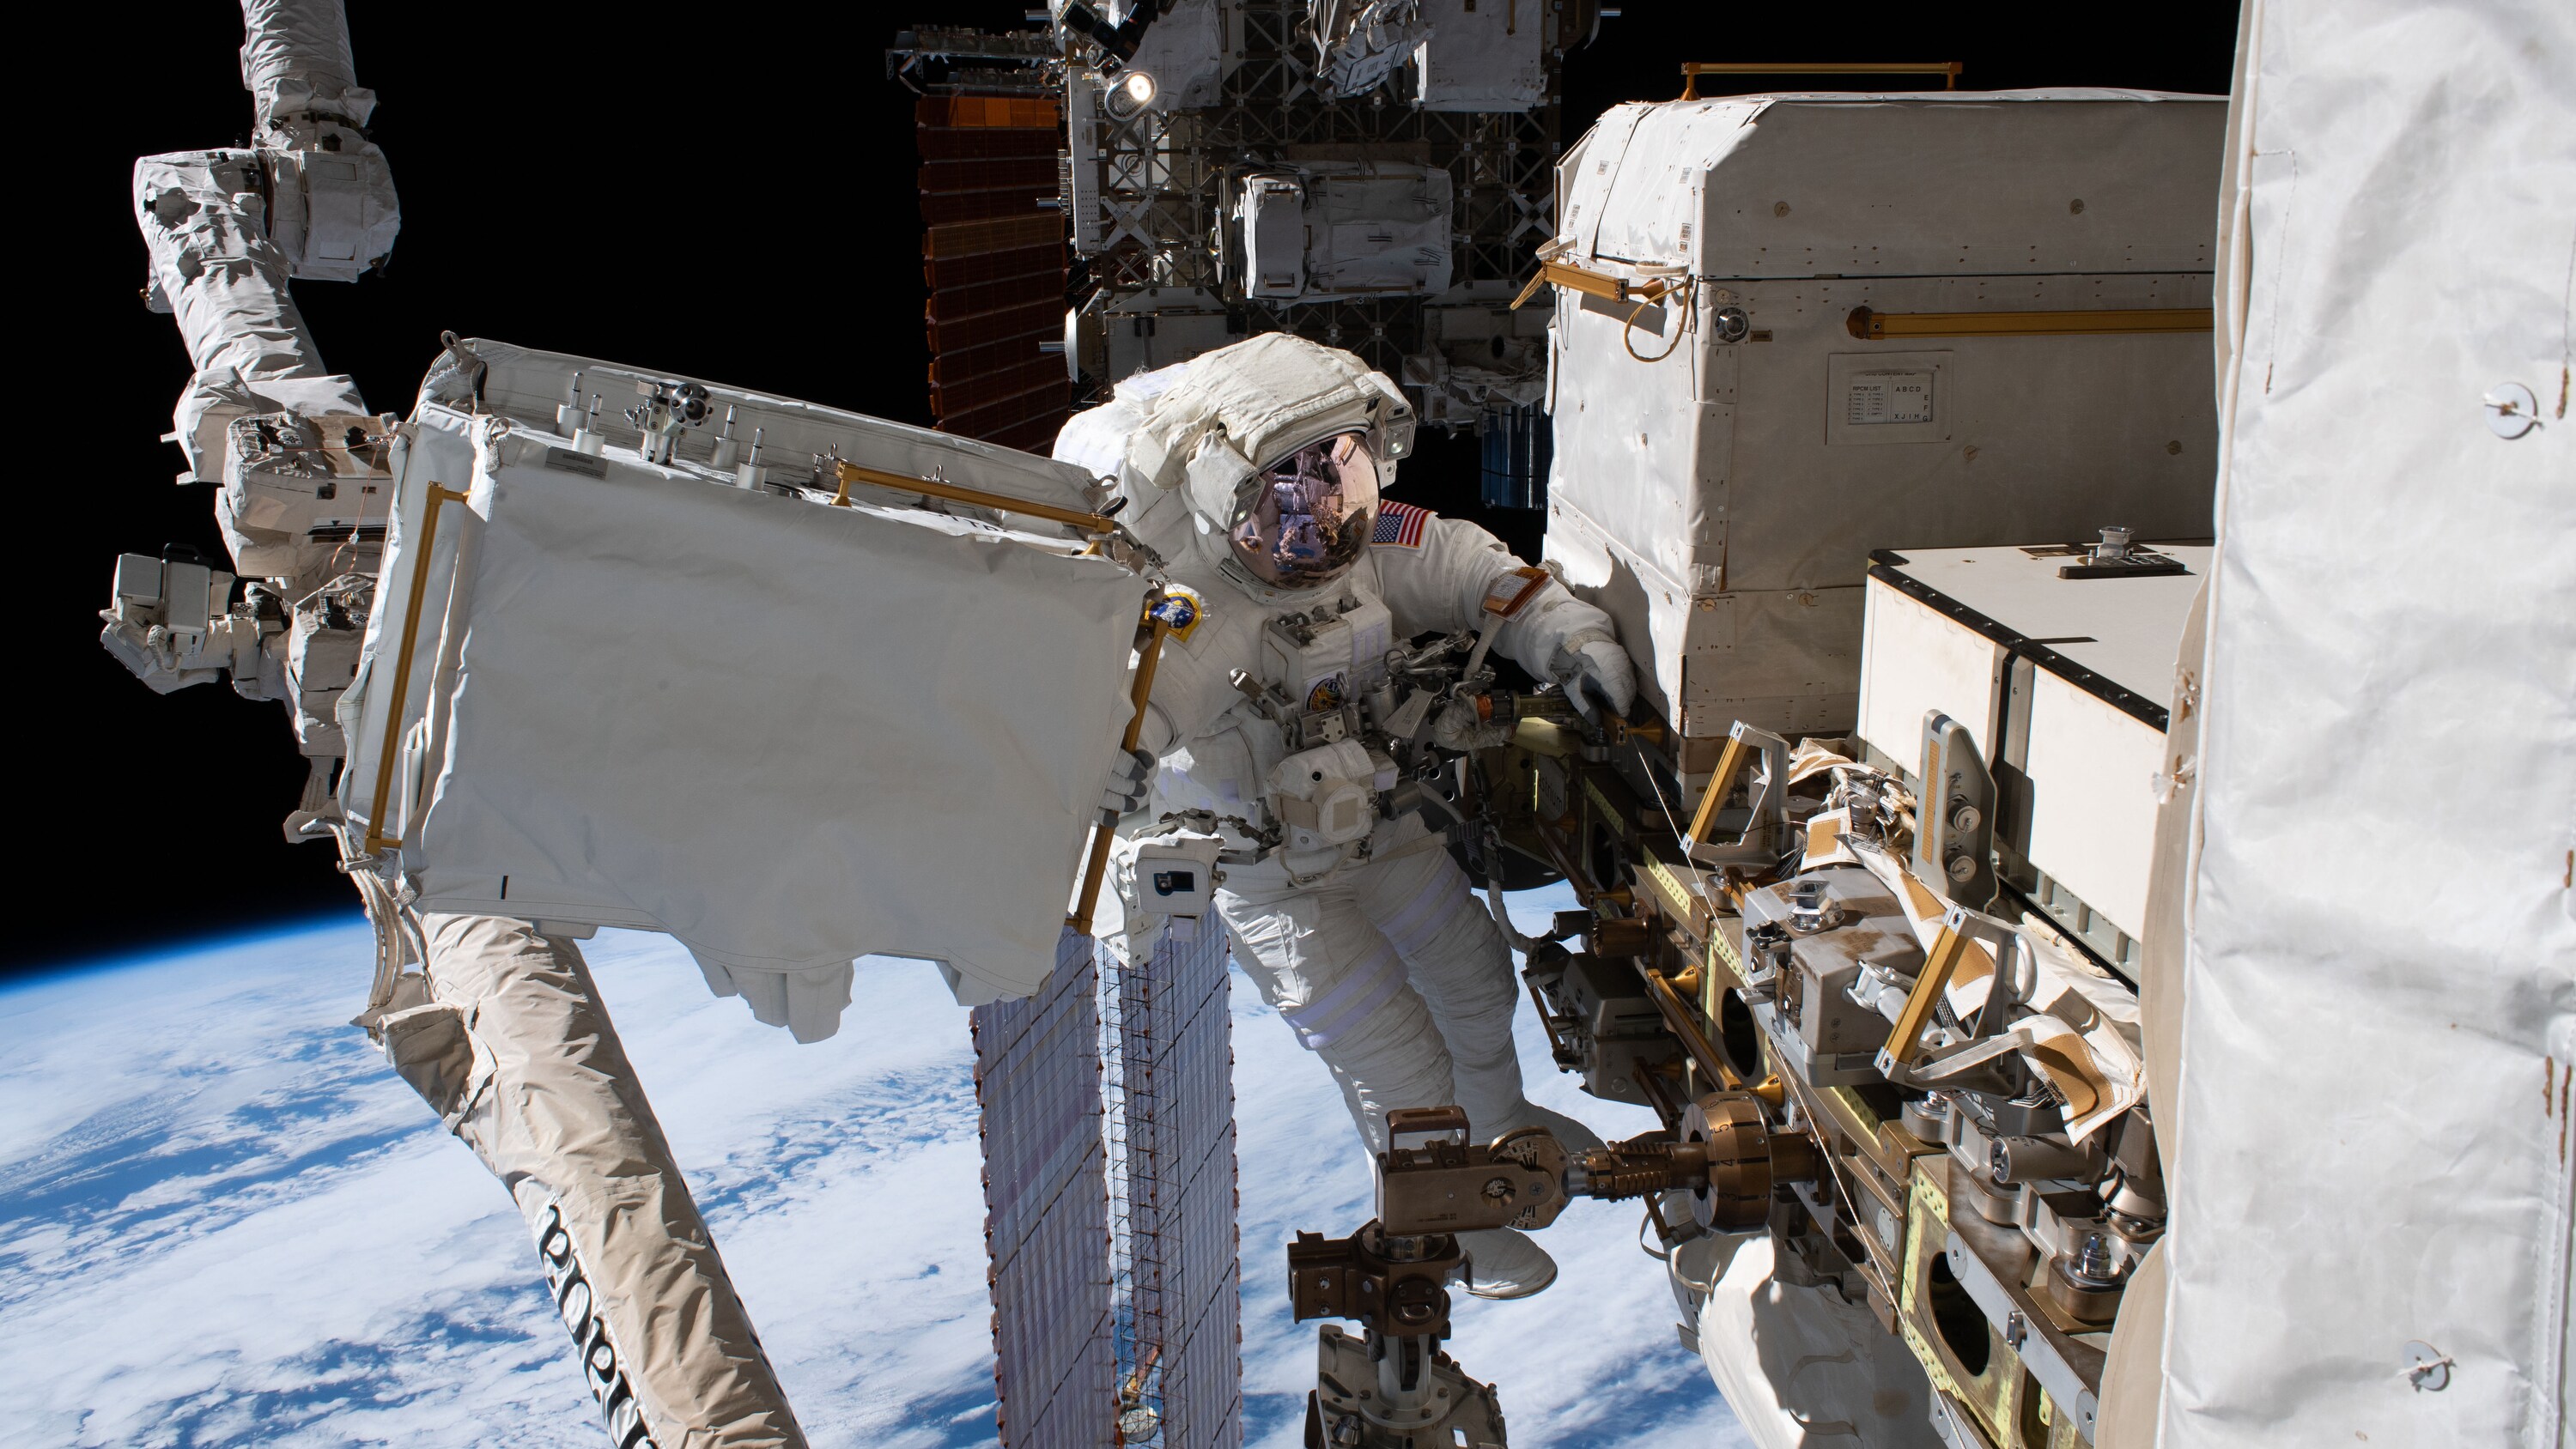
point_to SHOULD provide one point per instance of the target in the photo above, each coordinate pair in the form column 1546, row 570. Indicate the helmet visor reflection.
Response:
column 1311, row 515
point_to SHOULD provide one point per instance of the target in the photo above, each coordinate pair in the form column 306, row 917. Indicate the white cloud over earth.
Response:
column 224, row 1221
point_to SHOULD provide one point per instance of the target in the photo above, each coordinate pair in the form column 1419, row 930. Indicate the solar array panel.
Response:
column 1177, row 1254
column 993, row 260
column 1046, row 1209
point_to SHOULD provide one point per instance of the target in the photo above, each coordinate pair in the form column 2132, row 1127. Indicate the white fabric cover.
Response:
column 789, row 735
column 1376, row 230
column 1483, row 58
column 529, row 384
column 295, row 58
column 1801, row 1368
column 214, row 267
column 2380, row 988
column 507, row 1040
column 1184, row 51
column 1705, row 493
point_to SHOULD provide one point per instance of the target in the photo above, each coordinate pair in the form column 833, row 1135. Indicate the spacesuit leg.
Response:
column 516, row 1053
column 1343, row 987
column 1340, row 985
column 1463, row 967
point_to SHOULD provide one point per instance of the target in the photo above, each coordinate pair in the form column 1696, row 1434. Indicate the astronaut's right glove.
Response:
column 1129, row 782
column 1458, row 727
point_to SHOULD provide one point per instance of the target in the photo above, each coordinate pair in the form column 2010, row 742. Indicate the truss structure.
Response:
column 1141, row 201
column 1161, row 194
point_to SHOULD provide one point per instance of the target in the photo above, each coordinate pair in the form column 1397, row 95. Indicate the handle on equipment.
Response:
column 1096, row 868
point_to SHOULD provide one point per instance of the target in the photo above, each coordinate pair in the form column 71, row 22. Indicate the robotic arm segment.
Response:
column 1392, row 1275
column 216, row 270
column 329, row 202
column 300, row 459
column 296, row 63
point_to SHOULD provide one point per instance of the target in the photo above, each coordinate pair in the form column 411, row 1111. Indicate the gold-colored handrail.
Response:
column 1872, row 326
column 1597, row 284
column 1096, row 868
column 1692, row 70
column 1694, row 1041
column 376, row 837
column 933, row 488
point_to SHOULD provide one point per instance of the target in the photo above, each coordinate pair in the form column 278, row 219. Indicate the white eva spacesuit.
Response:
column 1254, row 472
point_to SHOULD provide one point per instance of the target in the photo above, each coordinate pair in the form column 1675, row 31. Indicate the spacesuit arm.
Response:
column 1440, row 584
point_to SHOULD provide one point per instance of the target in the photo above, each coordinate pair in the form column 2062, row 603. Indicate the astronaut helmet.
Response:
column 1306, row 518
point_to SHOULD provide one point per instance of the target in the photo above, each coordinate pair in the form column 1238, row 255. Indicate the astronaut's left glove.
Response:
column 1130, row 780
column 1594, row 669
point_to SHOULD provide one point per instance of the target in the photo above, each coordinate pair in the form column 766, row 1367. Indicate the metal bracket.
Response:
column 1766, row 830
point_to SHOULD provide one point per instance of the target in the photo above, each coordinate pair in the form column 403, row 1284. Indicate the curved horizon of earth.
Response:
column 224, row 1221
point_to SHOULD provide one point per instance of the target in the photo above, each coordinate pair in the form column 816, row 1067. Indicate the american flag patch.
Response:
column 1399, row 525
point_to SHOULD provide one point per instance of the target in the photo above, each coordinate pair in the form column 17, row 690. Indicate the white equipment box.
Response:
column 620, row 677
column 1789, row 329
column 2066, row 685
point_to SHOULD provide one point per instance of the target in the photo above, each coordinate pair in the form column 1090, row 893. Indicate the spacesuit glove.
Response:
column 1130, row 780
column 1594, row 669
column 1458, row 727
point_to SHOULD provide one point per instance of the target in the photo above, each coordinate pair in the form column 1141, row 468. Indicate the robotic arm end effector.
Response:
column 172, row 622
column 1392, row 1275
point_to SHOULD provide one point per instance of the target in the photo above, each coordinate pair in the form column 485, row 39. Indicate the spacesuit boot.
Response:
column 516, row 1054
column 1506, row 1263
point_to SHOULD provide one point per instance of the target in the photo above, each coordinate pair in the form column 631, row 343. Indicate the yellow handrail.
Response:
column 1141, row 693
column 1596, row 284
column 376, row 837
column 1905, row 1038
column 932, row 488
column 1704, row 821
column 1872, row 326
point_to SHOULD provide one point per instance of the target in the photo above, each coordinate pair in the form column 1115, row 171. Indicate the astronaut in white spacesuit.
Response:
column 1255, row 472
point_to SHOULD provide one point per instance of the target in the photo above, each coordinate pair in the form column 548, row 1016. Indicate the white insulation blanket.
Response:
column 787, row 734
column 2370, row 1225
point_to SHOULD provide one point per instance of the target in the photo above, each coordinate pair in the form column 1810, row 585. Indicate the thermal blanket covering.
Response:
column 785, row 733
column 516, row 1053
column 2371, row 1223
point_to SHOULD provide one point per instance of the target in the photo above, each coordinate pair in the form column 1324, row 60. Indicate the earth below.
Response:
column 223, row 1221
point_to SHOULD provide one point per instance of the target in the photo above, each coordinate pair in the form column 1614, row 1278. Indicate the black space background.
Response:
column 722, row 192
